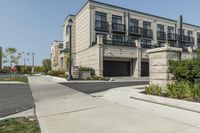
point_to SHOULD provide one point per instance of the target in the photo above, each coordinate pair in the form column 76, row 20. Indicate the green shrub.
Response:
column 196, row 91
column 154, row 90
column 56, row 73
column 179, row 90
column 87, row 69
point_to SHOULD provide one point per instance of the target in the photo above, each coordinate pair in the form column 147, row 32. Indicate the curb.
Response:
column 185, row 105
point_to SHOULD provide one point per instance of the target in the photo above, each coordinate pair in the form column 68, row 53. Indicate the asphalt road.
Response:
column 15, row 98
column 101, row 86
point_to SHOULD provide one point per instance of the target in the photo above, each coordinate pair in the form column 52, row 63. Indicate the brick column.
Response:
column 159, row 64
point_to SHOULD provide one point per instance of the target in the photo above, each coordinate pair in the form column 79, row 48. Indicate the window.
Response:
column 146, row 43
column 161, row 44
column 101, row 16
column 116, row 19
column 190, row 33
column 134, row 23
column 183, row 31
column 117, row 39
column 170, row 29
column 147, row 25
column 67, row 30
column 160, row 28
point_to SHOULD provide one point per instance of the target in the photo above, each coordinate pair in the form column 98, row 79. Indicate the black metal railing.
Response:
column 134, row 30
column 101, row 25
column 187, row 39
column 147, row 33
column 161, row 35
column 119, row 43
column 172, row 36
column 120, row 28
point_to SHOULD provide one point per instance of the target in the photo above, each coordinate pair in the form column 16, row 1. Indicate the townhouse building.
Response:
column 57, row 56
column 113, row 39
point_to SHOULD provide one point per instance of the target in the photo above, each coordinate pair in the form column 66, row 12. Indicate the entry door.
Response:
column 145, row 69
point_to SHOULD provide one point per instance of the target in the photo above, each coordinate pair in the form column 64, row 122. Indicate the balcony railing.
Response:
column 119, row 43
column 101, row 25
column 172, row 37
column 137, row 31
column 120, row 28
column 147, row 33
column 188, row 39
column 161, row 35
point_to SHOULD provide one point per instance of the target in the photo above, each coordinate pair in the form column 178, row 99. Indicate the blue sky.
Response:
column 31, row 25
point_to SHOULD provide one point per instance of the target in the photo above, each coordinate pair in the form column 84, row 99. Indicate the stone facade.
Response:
column 159, row 64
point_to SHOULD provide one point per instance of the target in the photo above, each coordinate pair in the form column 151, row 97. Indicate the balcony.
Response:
column 187, row 39
column 135, row 31
column 172, row 37
column 119, row 43
column 161, row 35
column 147, row 33
column 118, row 28
column 101, row 26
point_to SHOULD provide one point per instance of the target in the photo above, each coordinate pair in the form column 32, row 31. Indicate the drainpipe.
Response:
column 180, row 34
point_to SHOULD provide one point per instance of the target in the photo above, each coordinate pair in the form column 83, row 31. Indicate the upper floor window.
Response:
column 116, row 19
column 183, row 31
column 190, row 33
column 117, row 38
column 198, row 35
column 146, row 25
column 160, row 28
column 170, row 29
column 101, row 16
column 134, row 23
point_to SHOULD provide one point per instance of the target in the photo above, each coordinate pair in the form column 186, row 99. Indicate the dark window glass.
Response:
column 117, row 39
column 116, row 19
column 182, row 31
column 146, row 43
column 190, row 33
column 134, row 23
column 160, row 28
column 146, row 25
column 170, row 29
column 101, row 16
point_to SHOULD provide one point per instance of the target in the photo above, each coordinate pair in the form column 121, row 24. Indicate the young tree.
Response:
column 11, row 56
column 46, row 64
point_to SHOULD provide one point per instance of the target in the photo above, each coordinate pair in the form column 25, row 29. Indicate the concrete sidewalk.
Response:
column 64, row 110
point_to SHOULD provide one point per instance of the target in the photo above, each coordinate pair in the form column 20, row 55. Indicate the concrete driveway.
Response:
column 93, row 87
column 15, row 98
column 61, row 109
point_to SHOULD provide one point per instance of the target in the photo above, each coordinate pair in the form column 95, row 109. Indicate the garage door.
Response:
column 116, row 68
column 145, row 69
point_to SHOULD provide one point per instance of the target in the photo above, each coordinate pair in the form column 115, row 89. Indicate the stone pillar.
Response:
column 159, row 64
column 99, row 70
column 137, row 67
column 154, row 28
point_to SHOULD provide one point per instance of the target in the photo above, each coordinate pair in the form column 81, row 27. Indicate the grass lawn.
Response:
column 20, row 125
column 17, row 78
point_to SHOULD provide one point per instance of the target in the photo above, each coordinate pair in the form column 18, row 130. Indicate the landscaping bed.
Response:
column 20, row 125
column 17, row 78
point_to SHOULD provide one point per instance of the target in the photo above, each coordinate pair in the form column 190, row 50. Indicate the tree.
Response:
column 46, row 64
column 11, row 56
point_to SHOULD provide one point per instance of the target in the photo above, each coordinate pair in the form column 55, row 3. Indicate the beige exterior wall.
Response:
column 55, row 55
column 84, row 35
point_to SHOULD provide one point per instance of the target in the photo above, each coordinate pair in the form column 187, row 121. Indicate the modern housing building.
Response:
column 113, row 40
column 57, row 56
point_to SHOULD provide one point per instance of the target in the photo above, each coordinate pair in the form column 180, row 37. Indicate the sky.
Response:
column 32, row 25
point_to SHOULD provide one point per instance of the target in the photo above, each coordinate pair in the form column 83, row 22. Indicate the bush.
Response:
column 87, row 69
column 180, row 90
column 154, row 90
column 57, row 73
